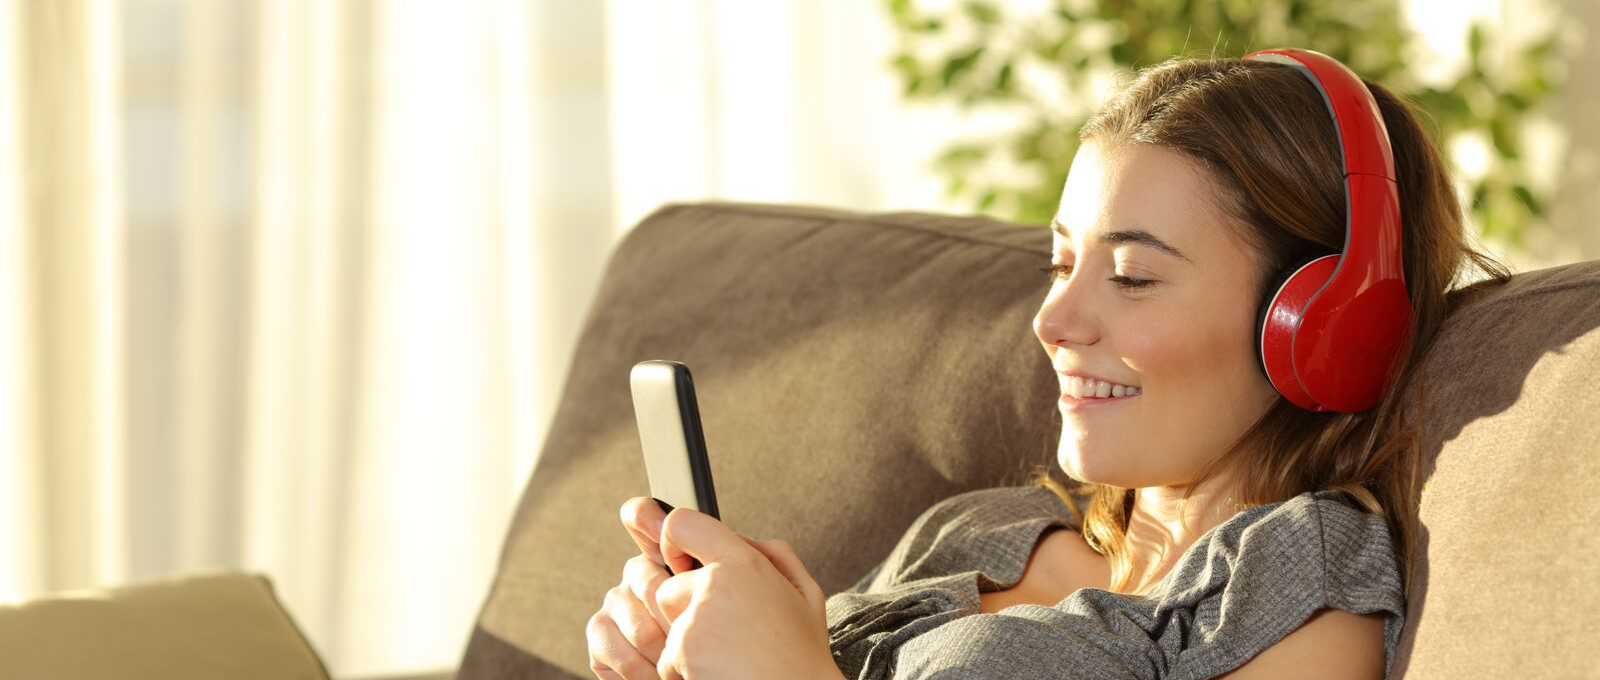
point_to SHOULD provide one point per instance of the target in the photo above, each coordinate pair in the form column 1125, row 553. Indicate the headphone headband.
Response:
column 1331, row 335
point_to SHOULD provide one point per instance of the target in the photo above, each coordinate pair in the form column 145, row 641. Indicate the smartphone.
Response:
column 669, row 433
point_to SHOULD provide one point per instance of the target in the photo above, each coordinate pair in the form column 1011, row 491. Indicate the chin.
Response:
column 1091, row 466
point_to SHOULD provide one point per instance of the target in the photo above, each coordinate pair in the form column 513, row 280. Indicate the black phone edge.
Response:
column 699, row 463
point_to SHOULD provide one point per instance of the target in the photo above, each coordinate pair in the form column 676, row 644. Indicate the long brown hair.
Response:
column 1262, row 132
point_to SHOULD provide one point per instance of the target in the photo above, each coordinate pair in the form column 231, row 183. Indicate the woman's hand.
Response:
column 627, row 634
column 752, row 610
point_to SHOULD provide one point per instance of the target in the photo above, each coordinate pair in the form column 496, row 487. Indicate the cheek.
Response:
column 1190, row 351
column 1202, row 389
column 1201, row 373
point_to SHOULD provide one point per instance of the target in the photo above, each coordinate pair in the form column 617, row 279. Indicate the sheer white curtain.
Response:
column 291, row 286
column 777, row 100
column 268, row 301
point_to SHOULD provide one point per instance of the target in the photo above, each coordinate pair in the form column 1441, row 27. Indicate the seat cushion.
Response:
column 223, row 625
column 851, row 369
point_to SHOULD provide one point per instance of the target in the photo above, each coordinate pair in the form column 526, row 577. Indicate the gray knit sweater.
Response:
column 1241, row 587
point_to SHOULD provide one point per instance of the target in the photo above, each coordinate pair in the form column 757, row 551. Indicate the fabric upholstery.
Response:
column 223, row 625
column 1506, row 586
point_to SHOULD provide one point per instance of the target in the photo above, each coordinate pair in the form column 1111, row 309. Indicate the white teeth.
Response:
column 1089, row 388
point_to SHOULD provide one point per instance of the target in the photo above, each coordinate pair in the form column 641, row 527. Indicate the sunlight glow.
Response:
column 106, row 336
column 19, row 497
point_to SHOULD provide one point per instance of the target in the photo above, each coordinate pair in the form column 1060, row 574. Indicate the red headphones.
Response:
column 1331, row 333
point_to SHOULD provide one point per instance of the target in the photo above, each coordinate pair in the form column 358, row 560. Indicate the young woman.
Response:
column 1216, row 528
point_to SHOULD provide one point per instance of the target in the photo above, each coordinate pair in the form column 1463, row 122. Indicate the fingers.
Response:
column 690, row 534
column 643, row 518
column 610, row 652
column 636, row 612
column 677, row 593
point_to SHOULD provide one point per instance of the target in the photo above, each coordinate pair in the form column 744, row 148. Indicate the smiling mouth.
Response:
column 1071, row 403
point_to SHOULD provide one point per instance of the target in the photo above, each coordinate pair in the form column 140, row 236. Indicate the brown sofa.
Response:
column 854, row 368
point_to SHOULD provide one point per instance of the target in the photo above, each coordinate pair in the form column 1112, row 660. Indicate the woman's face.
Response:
column 1136, row 213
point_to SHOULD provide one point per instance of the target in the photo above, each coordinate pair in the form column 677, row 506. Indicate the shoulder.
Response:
column 1352, row 547
column 1312, row 573
column 1318, row 539
column 1341, row 645
column 1323, row 522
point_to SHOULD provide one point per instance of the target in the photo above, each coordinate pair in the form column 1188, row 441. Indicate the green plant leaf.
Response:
column 907, row 65
column 1475, row 41
column 959, row 65
column 913, row 84
column 1002, row 81
column 961, row 157
column 900, row 9
column 987, row 199
column 982, row 12
column 1504, row 143
column 1524, row 194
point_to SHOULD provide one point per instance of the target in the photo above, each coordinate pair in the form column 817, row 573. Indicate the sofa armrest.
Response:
column 219, row 625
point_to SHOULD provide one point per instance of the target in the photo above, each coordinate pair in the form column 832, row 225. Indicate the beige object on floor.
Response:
column 223, row 625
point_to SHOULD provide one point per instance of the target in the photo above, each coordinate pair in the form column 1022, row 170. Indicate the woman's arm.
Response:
column 1331, row 645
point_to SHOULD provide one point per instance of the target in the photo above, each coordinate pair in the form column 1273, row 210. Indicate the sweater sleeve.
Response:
column 865, row 629
column 932, row 576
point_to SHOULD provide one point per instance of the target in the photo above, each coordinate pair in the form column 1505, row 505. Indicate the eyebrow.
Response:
column 1134, row 236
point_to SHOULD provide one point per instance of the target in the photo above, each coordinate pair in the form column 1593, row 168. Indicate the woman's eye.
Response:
column 1057, row 271
column 1062, row 271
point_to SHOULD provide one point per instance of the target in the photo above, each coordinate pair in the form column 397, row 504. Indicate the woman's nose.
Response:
column 1066, row 317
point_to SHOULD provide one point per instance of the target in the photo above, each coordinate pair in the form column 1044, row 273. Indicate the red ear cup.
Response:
column 1351, row 335
column 1280, row 320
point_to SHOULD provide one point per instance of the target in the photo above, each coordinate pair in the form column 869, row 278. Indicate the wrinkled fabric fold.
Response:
column 865, row 629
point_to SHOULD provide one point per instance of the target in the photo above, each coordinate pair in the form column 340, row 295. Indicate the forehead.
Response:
column 1140, row 186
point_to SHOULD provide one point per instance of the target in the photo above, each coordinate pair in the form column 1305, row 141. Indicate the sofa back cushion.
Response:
column 1507, row 581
